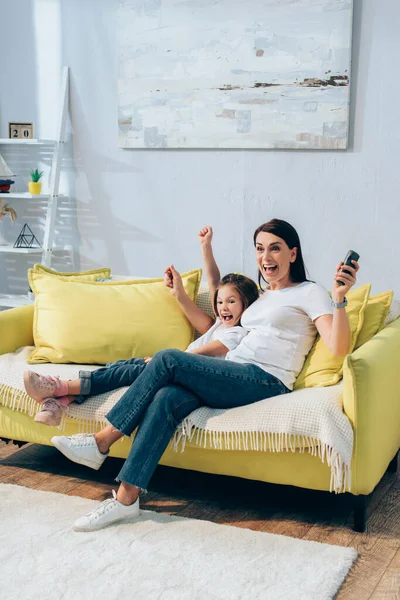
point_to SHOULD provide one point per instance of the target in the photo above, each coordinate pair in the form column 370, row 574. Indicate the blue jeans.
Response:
column 172, row 386
column 114, row 375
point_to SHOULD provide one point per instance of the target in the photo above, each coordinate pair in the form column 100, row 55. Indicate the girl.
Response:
column 233, row 294
column 282, row 326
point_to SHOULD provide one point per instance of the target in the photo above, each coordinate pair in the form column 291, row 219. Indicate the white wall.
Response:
column 138, row 210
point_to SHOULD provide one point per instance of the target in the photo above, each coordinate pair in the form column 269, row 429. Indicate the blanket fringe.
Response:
column 340, row 481
column 18, row 400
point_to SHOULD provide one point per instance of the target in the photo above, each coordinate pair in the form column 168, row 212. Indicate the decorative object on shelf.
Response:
column 5, row 176
column 4, row 210
column 27, row 239
column 20, row 131
column 35, row 186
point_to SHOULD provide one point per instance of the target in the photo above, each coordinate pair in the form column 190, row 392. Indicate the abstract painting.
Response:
column 234, row 73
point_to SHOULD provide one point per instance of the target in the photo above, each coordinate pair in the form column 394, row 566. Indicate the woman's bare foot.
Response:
column 127, row 494
column 106, row 437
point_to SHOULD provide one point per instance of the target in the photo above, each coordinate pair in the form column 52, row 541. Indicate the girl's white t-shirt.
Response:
column 228, row 336
column 281, row 329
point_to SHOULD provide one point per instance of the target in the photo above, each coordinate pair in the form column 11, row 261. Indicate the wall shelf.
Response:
column 11, row 250
column 26, row 196
column 21, row 142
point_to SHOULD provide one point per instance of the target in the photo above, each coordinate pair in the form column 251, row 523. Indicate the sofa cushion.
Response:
column 321, row 367
column 93, row 275
column 374, row 317
column 97, row 323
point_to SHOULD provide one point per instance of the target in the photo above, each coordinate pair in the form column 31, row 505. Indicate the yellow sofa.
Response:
column 371, row 402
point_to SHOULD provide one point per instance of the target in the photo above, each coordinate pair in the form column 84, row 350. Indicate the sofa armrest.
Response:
column 371, row 377
column 16, row 328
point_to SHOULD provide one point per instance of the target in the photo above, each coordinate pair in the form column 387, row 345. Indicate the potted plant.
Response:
column 35, row 186
column 4, row 209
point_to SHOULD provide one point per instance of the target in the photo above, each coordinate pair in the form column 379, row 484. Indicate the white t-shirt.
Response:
column 281, row 329
column 228, row 336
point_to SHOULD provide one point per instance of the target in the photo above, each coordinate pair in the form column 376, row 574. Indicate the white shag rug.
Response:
column 157, row 557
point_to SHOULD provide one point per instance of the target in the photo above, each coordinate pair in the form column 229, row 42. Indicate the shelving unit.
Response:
column 45, row 252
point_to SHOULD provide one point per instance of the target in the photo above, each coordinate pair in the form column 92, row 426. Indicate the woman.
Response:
column 282, row 326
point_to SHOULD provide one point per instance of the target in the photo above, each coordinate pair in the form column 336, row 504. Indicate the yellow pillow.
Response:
column 321, row 367
column 97, row 323
column 374, row 317
column 93, row 275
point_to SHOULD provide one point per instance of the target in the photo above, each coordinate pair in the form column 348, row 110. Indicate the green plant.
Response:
column 36, row 175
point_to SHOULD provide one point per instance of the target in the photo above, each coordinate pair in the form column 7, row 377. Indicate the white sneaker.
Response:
column 109, row 511
column 80, row 448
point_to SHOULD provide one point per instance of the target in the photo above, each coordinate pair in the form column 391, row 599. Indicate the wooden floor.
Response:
column 285, row 510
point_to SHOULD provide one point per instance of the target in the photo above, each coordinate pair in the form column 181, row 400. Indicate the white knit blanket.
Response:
column 311, row 419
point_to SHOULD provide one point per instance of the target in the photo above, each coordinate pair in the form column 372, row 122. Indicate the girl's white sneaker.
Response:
column 109, row 511
column 80, row 448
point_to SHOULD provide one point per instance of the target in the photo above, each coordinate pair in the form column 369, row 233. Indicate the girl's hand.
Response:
column 349, row 279
column 205, row 236
column 147, row 359
column 173, row 280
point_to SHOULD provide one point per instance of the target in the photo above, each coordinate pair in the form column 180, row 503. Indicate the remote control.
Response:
column 351, row 255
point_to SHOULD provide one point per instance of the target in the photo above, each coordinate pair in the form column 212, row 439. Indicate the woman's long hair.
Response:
column 287, row 232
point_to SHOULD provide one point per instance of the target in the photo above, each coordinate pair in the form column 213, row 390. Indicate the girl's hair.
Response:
column 287, row 232
column 246, row 287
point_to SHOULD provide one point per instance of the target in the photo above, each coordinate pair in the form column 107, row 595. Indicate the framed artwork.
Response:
column 234, row 74
column 20, row 131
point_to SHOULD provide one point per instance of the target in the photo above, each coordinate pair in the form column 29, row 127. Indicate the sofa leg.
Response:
column 16, row 442
column 19, row 443
column 392, row 468
column 360, row 513
column 6, row 440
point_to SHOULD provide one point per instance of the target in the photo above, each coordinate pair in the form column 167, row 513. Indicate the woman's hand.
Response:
column 349, row 279
column 147, row 359
column 205, row 236
column 173, row 281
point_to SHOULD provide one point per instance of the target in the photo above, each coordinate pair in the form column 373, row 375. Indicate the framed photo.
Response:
column 20, row 131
